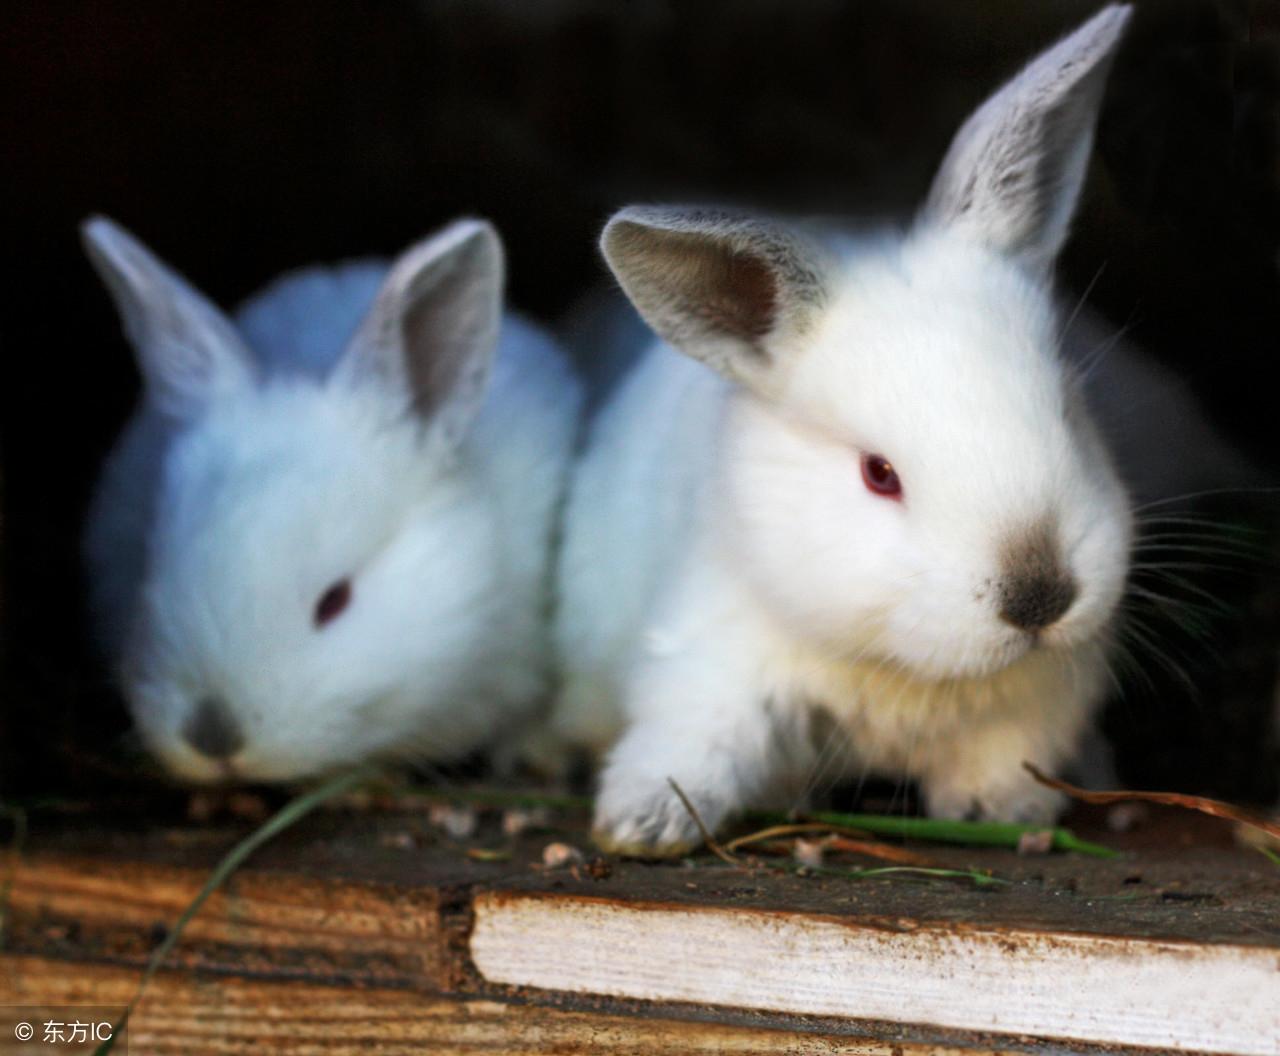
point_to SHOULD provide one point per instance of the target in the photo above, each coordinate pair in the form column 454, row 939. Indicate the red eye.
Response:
column 333, row 602
column 879, row 476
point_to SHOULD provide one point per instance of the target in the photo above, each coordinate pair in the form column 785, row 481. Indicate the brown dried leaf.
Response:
column 886, row 852
column 1215, row 807
column 798, row 829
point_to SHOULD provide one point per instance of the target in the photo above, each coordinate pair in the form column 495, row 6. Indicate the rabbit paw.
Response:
column 1014, row 797
column 646, row 819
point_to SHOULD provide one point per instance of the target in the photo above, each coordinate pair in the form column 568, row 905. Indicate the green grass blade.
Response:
column 929, row 872
column 941, row 830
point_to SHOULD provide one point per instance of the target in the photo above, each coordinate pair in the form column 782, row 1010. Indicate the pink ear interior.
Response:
column 726, row 290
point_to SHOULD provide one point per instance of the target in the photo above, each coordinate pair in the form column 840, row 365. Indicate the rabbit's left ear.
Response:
column 433, row 329
column 1014, row 171
column 734, row 291
column 189, row 353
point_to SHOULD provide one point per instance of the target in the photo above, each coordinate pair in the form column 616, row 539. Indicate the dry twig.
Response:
column 712, row 843
column 1203, row 804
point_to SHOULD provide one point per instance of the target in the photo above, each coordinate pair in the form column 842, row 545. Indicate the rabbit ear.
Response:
column 433, row 329
column 1013, row 173
column 188, row 351
column 731, row 290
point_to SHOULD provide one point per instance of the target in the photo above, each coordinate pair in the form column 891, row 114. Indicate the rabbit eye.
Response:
column 880, row 477
column 333, row 602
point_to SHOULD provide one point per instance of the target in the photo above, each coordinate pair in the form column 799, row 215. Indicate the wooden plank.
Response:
column 1167, row 995
column 282, row 925
column 381, row 899
column 229, row 1016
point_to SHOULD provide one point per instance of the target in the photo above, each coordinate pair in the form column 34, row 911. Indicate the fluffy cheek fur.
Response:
column 228, row 608
column 1099, row 533
column 846, row 569
column 386, row 675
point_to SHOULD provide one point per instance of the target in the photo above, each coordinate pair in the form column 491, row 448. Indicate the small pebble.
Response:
column 202, row 806
column 458, row 821
column 517, row 820
column 248, row 806
column 359, row 799
column 809, row 852
column 1036, row 842
column 209, row 805
column 557, row 855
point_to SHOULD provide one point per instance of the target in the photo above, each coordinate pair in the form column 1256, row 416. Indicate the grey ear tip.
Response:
column 486, row 234
column 1111, row 21
column 623, row 221
column 464, row 229
column 640, row 213
column 482, row 226
column 474, row 237
column 106, row 241
column 97, row 228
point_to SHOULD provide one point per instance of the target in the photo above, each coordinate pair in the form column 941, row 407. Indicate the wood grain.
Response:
column 228, row 1016
column 281, row 925
column 1170, row 996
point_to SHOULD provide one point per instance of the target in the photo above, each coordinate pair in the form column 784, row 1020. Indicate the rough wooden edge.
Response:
column 230, row 1016
column 1174, row 997
column 266, row 924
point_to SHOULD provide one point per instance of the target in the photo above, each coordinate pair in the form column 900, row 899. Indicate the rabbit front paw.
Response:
column 1013, row 797
column 644, row 818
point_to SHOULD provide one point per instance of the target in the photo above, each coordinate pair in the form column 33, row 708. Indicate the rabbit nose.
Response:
column 212, row 731
column 1036, row 589
column 1037, row 602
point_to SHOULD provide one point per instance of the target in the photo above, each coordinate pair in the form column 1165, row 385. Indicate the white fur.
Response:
column 226, row 512
column 735, row 597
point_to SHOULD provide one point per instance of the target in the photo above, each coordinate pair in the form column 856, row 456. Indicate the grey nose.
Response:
column 212, row 731
column 1035, row 602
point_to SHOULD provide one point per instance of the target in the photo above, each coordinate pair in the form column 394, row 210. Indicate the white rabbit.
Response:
column 326, row 533
column 865, row 521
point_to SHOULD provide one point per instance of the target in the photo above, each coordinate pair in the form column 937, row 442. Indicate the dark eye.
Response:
column 879, row 476
column 333, row 602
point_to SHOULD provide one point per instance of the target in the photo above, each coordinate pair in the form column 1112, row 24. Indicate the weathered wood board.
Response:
column 184, row 1016
column 383, row 921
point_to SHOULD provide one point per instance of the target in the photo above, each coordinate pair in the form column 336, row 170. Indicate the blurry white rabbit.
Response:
column 326, row 532
column 881, row 532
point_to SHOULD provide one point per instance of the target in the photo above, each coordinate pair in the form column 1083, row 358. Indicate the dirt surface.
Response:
column 1179, row 876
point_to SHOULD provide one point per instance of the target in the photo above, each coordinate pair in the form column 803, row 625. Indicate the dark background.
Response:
column 239, row 141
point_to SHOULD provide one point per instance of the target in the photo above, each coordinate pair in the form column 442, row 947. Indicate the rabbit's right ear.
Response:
column 188, row 351
column 731, row 290
column 1014, row 171
column 433, row 329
